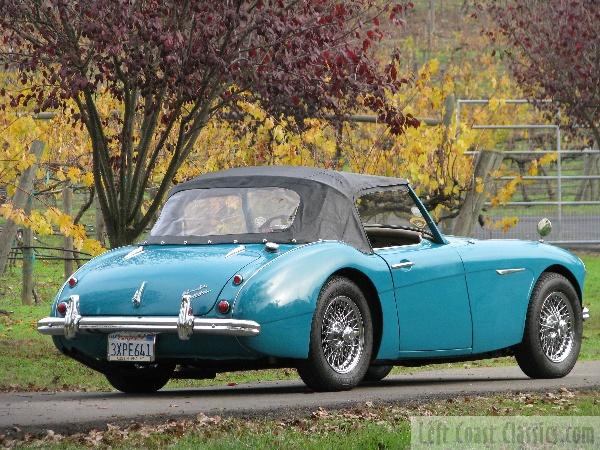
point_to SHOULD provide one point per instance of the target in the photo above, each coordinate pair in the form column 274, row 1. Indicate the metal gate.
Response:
column 567, row 190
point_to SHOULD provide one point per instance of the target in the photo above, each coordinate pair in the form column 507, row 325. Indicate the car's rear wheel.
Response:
column 553, row 329
column 140, row 380
column 341, row 338
column 377, row 373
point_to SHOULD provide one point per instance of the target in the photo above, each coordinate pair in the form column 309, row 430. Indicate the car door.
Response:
column 431, row 296
column 428, row 274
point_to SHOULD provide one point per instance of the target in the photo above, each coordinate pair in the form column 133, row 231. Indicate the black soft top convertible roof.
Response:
column 347, row 183
column 327, row 203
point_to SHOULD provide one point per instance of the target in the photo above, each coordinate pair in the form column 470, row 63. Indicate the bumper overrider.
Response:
column 185, row 325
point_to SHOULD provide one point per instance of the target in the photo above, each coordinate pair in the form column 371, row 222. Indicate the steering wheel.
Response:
column 266, row 227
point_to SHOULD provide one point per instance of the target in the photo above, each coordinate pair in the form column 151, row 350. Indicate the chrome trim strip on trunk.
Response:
column 235, row 251
column 160, row 324
column 585, row 314
column 509, row 271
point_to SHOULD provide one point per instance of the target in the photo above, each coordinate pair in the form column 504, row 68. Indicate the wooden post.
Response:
column 67, row 209
column 28, row 258
column 19, row 201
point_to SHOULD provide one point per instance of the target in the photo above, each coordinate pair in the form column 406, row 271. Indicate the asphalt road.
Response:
column 77, row 411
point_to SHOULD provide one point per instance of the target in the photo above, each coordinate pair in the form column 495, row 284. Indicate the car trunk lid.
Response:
column 157, row 277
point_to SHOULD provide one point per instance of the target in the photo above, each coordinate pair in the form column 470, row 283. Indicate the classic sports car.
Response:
column 337, row 274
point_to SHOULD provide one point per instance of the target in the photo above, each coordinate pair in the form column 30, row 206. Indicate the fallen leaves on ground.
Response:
column 320, row 421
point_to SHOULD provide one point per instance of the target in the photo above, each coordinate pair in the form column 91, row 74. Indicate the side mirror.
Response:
column 544, row 227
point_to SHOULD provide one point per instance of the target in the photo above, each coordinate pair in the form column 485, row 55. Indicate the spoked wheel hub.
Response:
column 556, row 327
column 342, row 336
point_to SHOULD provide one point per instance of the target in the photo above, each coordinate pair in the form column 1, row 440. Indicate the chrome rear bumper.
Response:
column 107, row 324
column 184, row 325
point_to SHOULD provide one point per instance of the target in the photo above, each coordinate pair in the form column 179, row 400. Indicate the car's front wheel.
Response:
column 553, row 329
column 140, row 380
column 341, row 338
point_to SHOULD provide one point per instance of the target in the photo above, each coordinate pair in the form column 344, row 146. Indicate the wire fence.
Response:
column 566, row 191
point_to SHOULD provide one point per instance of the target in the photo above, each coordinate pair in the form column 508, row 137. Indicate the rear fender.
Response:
column 283, row 293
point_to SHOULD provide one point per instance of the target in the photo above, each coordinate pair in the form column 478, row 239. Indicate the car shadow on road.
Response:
column 293, row 387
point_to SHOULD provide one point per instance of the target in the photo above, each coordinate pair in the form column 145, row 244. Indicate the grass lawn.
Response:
column 369, row 426
column 29, row 360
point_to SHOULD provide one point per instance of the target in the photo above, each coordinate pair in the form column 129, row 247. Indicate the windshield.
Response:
column 226, row 211
column 391, row 209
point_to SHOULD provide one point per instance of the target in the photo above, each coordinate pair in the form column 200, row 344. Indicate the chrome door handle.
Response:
column 403, row 265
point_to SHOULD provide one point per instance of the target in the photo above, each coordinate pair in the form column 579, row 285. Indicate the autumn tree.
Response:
column 64, row 164
column 171, row 65
column 554, row 53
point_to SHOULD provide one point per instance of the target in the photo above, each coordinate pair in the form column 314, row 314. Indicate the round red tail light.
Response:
column 61, row 308
column 237, row 279
column 72, row 281
column 223, row 306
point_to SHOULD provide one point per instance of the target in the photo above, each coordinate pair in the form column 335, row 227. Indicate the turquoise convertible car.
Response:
column 339, row 275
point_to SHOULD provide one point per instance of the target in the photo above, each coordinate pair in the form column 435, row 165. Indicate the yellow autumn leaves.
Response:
column 438, row 160
column 65, row 158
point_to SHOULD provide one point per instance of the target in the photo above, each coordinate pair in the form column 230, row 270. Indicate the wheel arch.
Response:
column 282, row 298
column 565, row 272
column 367, row 286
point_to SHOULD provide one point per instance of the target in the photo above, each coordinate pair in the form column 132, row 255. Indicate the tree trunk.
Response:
column 19, row 201
column 430, row 27
column 487, row 162
column 522, row 172
column 100, row 228
column 68, row 209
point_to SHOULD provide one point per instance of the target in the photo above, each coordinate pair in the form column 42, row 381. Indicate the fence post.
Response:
column 19, row 201
column 28, row 258
column 67, row 209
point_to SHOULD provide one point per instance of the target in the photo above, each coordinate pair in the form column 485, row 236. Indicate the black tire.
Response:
column 144, row 380
column 530, row 354
column 377, row 373
column 316, row 371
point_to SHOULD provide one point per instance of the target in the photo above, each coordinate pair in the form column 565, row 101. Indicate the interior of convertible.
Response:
column 381, row 236
column 392, row 219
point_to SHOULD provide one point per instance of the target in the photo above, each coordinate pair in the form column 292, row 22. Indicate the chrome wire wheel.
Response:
column 342, row 335
column 556, row 327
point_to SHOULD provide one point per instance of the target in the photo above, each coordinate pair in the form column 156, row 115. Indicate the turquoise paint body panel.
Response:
column 106, row 284
column 282, row 296
column 499, row 302
column 279, row 291
column 432, row 297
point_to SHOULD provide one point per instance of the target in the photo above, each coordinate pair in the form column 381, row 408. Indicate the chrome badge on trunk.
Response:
column 197, row 292
column 137, row 296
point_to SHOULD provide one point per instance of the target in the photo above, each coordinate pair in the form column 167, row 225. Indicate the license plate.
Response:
column 131, row 347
